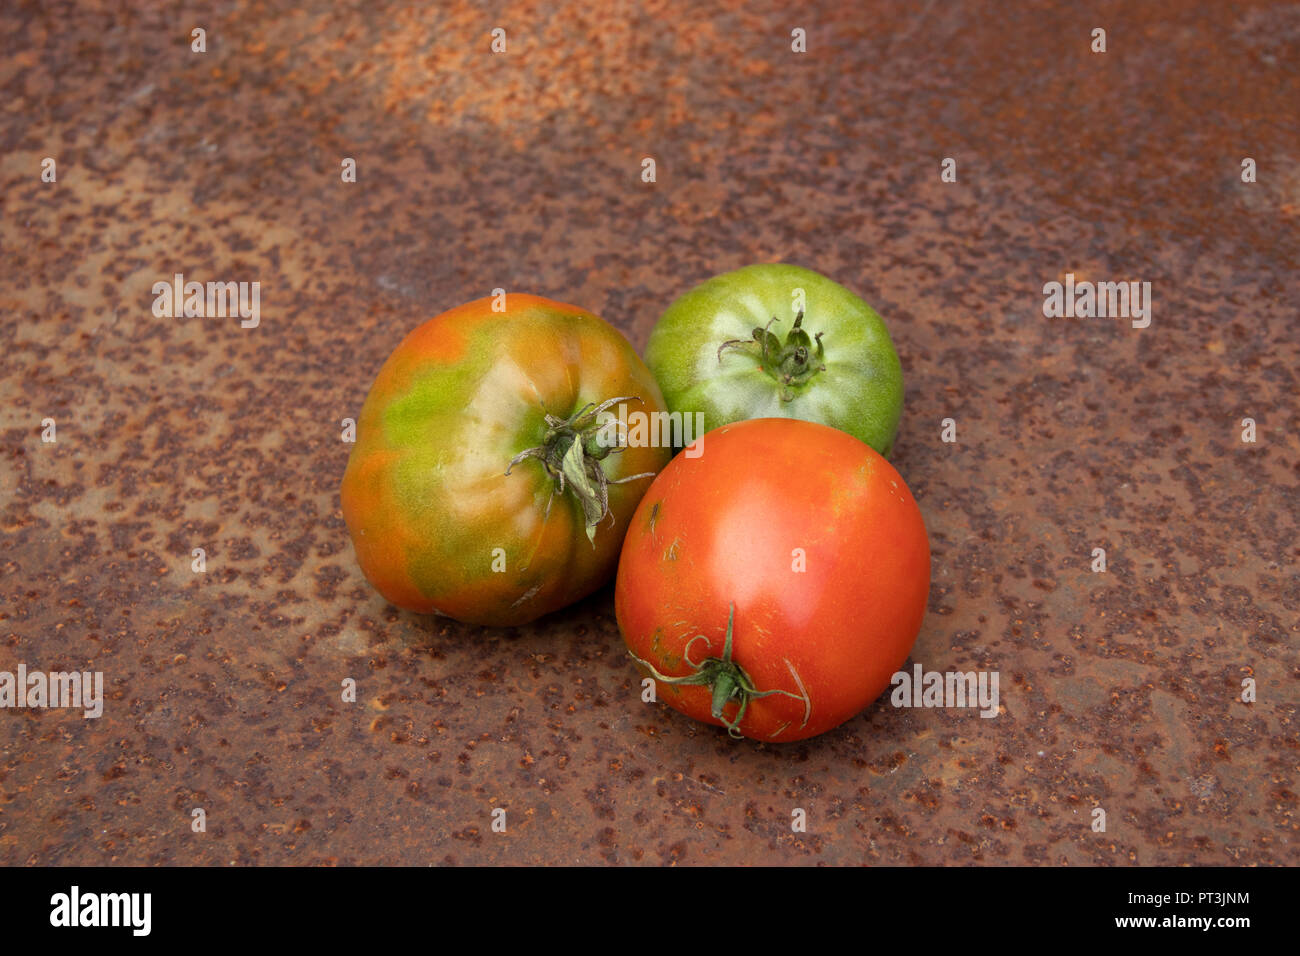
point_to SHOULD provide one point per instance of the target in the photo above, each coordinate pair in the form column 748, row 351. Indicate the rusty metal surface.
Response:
column 1119, row 690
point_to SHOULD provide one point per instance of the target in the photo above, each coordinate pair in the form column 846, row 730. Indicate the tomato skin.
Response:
column 426, row 496
column 860, row 390
column 720, row 530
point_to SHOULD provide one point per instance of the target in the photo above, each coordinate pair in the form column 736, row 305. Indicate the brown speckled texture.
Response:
column 1120, row 690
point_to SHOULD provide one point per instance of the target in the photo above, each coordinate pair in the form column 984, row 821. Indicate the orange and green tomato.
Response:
column 483, row 485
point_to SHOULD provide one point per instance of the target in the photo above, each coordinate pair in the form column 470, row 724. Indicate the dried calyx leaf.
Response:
column 572, row 451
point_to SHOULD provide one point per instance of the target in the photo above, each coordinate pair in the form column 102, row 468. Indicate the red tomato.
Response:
column 774, row 582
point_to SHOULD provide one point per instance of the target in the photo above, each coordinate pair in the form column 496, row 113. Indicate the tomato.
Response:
column 775, row 582
column 779, row 341
column 484, row 483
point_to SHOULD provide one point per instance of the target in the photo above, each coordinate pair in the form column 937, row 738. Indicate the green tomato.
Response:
column 779, row 341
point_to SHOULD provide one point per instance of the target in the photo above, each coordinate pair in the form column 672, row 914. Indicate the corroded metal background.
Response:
column 1120, row 690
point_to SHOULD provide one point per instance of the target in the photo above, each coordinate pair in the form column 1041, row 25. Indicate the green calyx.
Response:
column 571, row 452
column 726, row 680
column 792, row 363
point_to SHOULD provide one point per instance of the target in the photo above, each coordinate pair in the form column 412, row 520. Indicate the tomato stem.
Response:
column 572, row 451
column 726, row 680
column 792, row 363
